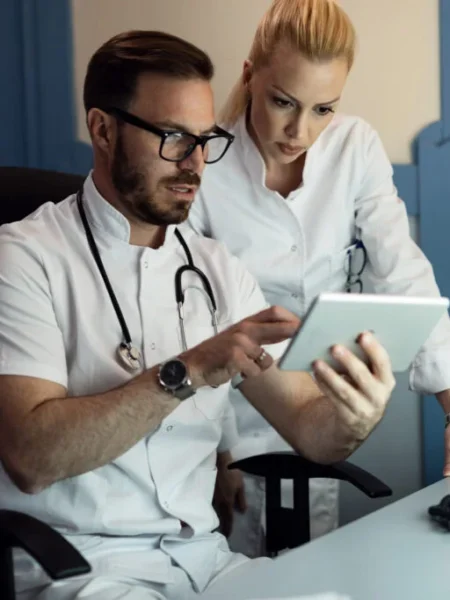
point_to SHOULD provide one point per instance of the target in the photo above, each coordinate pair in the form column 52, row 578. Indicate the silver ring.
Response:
column 261, row 357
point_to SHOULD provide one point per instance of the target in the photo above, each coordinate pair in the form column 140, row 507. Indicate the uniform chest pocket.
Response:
column 342, row 264
column 330, row 273
column 347, row 269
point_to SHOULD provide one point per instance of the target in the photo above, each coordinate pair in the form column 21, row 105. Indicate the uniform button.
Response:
column 294, row 248
column 153, row 346
column 169, row 428
column 146, row 264
column 294, row 295
column 256, row 434
column 166, row 505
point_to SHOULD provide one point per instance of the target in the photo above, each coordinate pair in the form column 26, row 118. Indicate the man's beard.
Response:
column 131, row 186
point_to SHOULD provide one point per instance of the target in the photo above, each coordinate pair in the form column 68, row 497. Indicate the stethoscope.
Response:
column 129, row 355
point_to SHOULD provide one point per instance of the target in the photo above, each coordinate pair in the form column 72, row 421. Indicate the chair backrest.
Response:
column 23, row 190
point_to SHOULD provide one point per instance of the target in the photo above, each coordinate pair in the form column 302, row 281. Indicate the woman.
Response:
column 299, row 186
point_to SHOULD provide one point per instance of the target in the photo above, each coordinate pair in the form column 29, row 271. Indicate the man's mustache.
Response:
column 183, row 179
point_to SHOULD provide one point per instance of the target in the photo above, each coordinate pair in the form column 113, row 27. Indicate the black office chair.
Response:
column 290, row 527
column 23, row 190
column 50, row 549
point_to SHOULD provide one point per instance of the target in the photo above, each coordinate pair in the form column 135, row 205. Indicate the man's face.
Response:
column 151, row 189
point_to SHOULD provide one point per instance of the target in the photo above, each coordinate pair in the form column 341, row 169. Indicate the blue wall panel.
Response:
column 405, row 178
column 37, row 110
column 12, row 107
column 55, row 87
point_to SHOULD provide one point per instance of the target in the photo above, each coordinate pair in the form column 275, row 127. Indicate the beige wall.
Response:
column 394, row 84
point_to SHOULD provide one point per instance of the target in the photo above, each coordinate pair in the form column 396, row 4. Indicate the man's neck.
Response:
column 141, row 234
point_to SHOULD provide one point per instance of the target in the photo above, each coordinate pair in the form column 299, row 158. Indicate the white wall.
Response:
column 394, row 84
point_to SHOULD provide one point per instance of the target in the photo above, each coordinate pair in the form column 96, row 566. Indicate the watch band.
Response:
column 185, row 390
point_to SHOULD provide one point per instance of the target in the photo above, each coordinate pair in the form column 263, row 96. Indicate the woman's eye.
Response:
column 281, row 102
column 324, row 110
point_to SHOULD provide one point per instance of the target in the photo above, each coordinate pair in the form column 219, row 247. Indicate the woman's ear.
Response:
column 247, row 73
column 100, row 127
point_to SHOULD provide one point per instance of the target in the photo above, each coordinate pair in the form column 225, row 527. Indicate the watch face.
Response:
column 173, row 374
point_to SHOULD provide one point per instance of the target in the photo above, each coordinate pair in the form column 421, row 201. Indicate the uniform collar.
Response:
column 108, row 221
column 254, row 162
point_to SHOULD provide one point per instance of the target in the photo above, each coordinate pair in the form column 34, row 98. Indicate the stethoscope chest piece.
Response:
column 129, row 356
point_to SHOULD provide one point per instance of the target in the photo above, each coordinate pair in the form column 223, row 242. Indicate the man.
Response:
column 113, row 395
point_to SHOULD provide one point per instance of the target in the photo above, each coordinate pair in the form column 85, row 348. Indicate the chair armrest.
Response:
column 289, row 465
column 51, row 550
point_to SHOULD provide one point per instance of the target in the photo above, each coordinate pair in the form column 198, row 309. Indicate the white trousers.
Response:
column 111, row 586
column 248, row 535
column 114, row 588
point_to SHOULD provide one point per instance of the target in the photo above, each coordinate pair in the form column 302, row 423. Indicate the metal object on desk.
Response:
column 441, row 512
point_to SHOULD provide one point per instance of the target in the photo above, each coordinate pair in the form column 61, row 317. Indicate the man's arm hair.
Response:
column 46, row 436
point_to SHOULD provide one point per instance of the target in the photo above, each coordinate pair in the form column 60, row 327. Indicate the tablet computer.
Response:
column 402, row 324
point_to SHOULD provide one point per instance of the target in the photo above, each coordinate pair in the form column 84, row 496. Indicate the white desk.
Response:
column 396, row 553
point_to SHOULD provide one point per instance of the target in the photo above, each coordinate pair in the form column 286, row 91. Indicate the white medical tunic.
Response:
column 297, row 246
column 57, row 323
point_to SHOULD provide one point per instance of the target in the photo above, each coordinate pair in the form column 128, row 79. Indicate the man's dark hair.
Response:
column 114, row 69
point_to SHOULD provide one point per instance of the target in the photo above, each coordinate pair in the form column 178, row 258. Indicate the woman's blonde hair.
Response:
column 319, row 29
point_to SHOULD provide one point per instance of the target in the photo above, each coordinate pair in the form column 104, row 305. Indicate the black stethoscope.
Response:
column 128, row 354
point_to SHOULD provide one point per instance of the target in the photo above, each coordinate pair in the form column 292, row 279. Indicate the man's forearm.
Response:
column 65, row 437
column 321, row 436
column 306, row 419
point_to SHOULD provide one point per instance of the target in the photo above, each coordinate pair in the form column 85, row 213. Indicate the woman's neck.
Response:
column 279, row 178
column 284, row 179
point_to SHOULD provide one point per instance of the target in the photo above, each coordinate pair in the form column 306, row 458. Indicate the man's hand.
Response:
column 229, row 493
column 444, row 400
column 360, row 396
column 446, row 471
column 238, row 349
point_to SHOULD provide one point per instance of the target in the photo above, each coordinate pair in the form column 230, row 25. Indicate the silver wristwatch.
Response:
column 174, row 378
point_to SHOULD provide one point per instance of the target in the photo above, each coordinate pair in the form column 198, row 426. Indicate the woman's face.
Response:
column 292, row 101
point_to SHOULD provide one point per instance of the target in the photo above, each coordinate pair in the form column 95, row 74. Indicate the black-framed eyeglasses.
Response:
column 355, row 263
column 178, row 145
